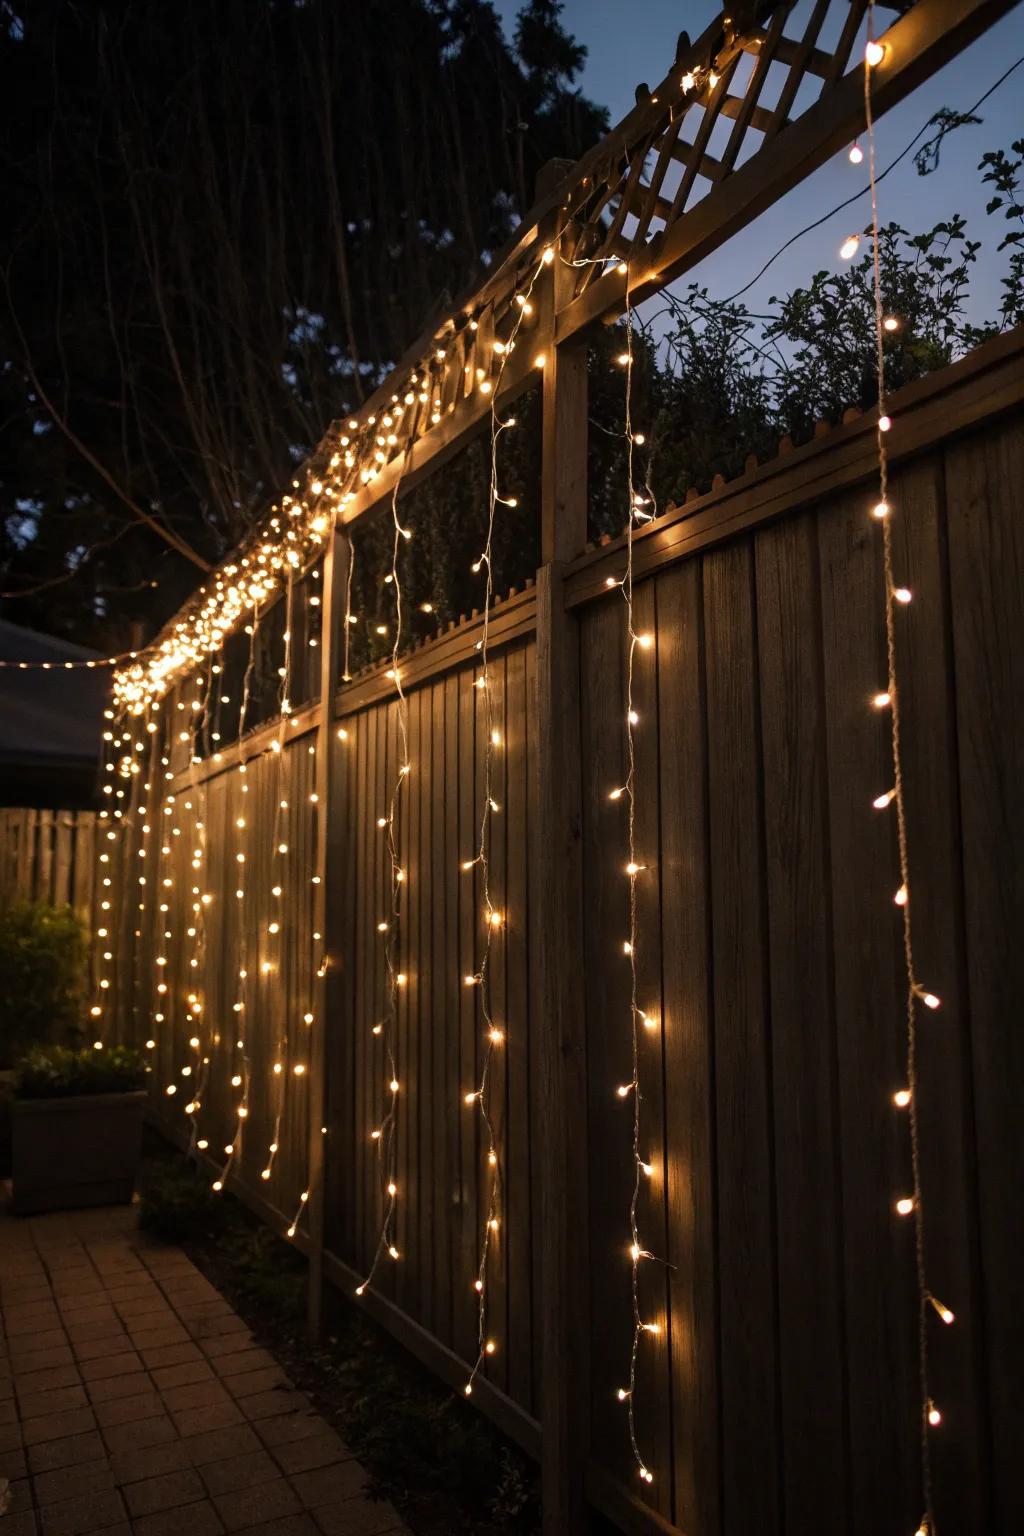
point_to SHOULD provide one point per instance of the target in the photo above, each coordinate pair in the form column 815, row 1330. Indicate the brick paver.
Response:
column 135, row 1402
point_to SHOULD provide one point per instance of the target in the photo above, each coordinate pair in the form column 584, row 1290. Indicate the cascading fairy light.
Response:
column 240, row 1076
column 493, row 919
column 195, row 993
column 640, row 510
column 384, row 1134
column 896, row 596
column 281, row 847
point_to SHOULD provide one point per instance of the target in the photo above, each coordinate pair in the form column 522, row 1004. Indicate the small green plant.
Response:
column 42, row 966
column 57, row 1072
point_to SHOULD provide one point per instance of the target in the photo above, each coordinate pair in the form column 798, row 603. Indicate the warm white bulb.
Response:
column 904, row 1206
column 874, row 53
column 856, row 154
column 850, row 247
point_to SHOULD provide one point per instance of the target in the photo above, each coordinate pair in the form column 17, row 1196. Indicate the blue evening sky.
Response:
column 634, row 40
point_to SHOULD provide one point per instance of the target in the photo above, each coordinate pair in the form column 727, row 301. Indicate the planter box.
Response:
column 74, row 1152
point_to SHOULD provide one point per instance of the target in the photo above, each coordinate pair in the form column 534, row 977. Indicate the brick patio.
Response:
column 133, row 1399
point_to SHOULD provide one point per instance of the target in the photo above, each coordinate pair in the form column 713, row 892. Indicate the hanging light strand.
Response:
column 493, row 1033
column 915, row 994
column 640, row 511
column 384, row 1134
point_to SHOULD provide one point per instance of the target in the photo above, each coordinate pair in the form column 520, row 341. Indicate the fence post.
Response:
column 565, row 1335
column 337, row 555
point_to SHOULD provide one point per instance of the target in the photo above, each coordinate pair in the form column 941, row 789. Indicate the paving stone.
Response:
column 167, row 1491
column 236, row 1440
column 21, row 1525
column 103, row 1324
column 68, row 1452
column 319, row 1450
column 56, row 1426
column 290, row 1426
column 203, row 1520
column 288, row 1525
column 96, row 1349
column 145, row 1338
column 226, row 1344
column 67, row 1482
column 198, row 1421
column 239, row 1472
column 109, row 1388
column 360, row 1517
column 13, row 1463
column 10, row 1437
column 127, row 1410
column 87, row 1512
column 46, row 1381
column 152, row 1461
column 42, row 1359
column 266, row 1379
column 136, row 1436
column 122, row 1364
column 183, row 1375
column 266, row 1405
column 171, row 1354
column 325, row 1485
column 251, row 1506
column 18, row 1496
column 196, row 1394
column 237, row 1361
column 55, row 1400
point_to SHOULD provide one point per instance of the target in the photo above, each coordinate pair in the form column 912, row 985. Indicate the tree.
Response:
column 227, row 222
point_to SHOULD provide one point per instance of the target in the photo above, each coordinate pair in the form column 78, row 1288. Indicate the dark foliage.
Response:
column 42, row 966
column 55, row 1072
column 222, row 224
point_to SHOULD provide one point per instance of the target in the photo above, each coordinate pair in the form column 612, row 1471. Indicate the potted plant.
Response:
column 76, row 1127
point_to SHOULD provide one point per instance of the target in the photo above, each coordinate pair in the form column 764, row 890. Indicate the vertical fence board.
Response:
column 808, row 1190
column 747, row 1250
column 869, row 988
column 986, row 553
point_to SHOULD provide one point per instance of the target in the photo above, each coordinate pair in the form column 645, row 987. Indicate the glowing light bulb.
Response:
column 901, row 1098
column 904, row 1205
column 849, row 247
column 885, row 423
column 882, row 700
column 934, row 1416
column 901, row 896
column 944, row 1312
column 624, row 1090
column 890, row 323
column 874, row 53
column 930, row 1000
column 616, row 794
column 856, row 154
column 881, row 801
column 880, row 509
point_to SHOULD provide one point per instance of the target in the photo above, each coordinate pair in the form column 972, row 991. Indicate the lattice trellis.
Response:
column 663, row 166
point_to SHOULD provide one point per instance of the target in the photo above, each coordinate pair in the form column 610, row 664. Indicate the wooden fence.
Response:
column 783, row 1385
column 48, row 856
column 780, row 1392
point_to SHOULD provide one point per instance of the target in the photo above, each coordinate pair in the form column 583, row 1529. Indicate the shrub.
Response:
column 55, row 1072
column 42, row 965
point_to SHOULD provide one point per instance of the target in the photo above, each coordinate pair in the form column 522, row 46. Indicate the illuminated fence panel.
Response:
column 441, row 1163
column 783, row 1377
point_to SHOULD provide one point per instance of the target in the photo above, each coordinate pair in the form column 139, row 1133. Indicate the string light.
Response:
column 493, row 1036
column 386, row 1029
column 909, row 1205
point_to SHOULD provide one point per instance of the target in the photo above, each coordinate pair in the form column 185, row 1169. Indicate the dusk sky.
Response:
column 634, row 40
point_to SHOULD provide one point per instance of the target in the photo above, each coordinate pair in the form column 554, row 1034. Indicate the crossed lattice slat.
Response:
column 626, row 202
